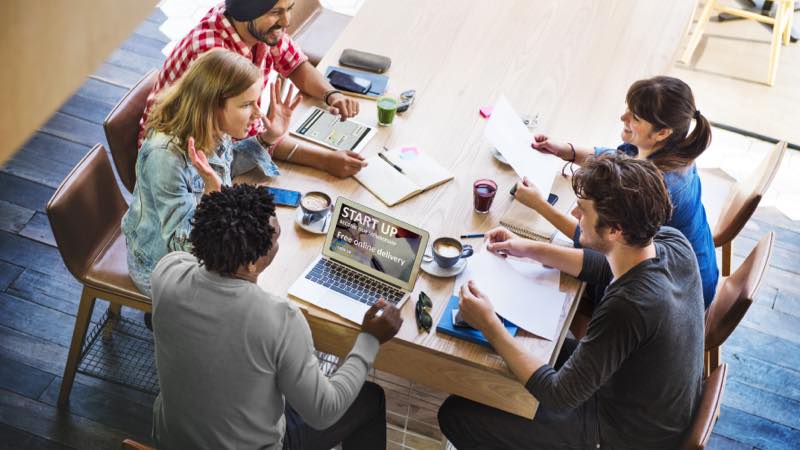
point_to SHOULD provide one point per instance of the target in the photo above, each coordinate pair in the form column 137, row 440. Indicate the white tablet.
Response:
column 323, row 128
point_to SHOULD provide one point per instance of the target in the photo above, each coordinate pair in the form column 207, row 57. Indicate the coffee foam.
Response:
column 315, row 202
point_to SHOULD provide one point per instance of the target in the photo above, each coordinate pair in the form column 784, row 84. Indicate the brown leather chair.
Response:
column 130, row 444
column 742, row 201
column 708, row 410
column 315, row 28
column 85, row 214
column 734, row 296
column 122, row 128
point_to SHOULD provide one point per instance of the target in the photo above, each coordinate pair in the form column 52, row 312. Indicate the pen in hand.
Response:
column 396, row 167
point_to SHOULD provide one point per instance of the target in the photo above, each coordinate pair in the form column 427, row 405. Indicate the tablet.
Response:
column 321, row 127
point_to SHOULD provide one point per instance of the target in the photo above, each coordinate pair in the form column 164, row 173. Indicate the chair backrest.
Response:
column 303, row 11
column 122, row 128
column 698, row 434
column 130, row 444
column 745, row 197
column 85, row 211
column 736, row 293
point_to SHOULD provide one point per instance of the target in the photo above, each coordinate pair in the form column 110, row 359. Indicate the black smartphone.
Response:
column 459, row 321
column 552, row 198
column 285, row 197
column 347, row 82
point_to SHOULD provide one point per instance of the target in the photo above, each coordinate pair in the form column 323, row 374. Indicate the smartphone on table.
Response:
column 285, row 197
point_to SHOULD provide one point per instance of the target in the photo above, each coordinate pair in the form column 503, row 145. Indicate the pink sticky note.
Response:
column 486, row 111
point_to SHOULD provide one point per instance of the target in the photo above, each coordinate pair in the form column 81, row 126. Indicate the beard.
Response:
column 263, row 36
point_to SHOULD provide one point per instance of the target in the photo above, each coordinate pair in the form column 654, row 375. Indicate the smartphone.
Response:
column 552, row 198
column 285, row 197
column 458, row 321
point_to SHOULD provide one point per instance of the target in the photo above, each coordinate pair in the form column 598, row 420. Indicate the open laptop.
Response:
column 366, row 255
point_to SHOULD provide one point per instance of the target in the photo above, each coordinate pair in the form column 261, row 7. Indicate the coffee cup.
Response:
column 447, row 251
column 315, row 206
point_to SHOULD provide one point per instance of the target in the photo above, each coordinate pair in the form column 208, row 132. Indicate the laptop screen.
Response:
column 375, row 243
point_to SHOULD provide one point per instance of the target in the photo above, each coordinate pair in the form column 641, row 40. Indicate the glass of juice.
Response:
column 483, row 194
column 387, row 109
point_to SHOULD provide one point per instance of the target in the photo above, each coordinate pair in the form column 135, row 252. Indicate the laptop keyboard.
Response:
column 352, row 283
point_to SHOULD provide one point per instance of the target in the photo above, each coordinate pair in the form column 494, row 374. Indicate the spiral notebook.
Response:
column 528, row 223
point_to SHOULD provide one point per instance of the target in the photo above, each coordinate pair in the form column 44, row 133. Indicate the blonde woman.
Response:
column 189, row 150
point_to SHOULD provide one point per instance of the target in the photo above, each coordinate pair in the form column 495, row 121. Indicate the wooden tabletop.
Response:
column 570, row 62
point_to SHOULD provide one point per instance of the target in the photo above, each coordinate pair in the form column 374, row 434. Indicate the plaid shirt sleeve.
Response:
column 287, row 56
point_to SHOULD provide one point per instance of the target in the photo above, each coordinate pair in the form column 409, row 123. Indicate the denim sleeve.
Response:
column 249, row 154
column 174, row 198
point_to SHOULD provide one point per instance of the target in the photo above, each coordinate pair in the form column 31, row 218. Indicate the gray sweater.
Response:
column 228, row 354
column 642, row 356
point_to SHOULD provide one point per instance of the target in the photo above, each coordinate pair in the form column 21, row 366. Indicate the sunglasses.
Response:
column 423, row 312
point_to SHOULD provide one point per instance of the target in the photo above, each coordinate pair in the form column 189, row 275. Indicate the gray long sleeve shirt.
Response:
column 228, row 354
column 642, row 356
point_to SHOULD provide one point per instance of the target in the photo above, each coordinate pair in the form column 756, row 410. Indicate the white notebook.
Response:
column 419, row 173
column 528, row 223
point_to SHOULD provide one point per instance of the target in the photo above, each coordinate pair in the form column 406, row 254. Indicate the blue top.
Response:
column 167, row 191
column 688, row 216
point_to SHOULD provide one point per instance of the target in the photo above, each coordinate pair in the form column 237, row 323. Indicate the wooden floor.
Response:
column 38, row 301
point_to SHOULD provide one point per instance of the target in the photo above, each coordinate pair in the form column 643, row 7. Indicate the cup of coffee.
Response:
column 315, row 206
column 483, row 194
column 387, row 109
column 447, row 251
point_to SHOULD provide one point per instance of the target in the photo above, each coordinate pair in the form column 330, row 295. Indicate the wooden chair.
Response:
column 708, row 410
column 122, row 128
column 85, row 214
column 734, row 296
column 315, row 28
column 130, row 444
column 743, row 199
column 781, row 29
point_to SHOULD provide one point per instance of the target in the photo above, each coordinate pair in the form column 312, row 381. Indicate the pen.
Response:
column 383, row 157
column 473, row 235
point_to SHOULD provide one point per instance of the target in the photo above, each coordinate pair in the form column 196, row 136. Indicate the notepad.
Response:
column 528, row 223
column 420, row 173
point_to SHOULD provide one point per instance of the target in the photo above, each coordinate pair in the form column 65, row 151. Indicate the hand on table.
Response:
column 475, row 307
column 501, row 242
column 200, row 162
column 343, row 163
column 343, row 106
column 385, row 325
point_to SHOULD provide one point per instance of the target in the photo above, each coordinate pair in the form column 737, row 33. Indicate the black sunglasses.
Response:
column 423, row 312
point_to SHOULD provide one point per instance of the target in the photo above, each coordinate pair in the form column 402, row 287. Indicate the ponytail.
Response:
column 668, row 102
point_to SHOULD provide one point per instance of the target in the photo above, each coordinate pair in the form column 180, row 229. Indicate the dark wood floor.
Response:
column 38, row 299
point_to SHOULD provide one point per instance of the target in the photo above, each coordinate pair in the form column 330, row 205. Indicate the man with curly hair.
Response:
column 236, row 364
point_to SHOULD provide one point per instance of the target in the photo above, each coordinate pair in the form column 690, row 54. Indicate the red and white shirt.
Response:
column 216, row 31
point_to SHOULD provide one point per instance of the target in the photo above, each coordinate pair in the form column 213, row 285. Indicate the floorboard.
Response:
column 28, row 253
column 75, row 129
column 89, row 108
column 23, row 379
column 13, row 217
column 756, row 431
column 24, row 192
column 13, row 439
column 8, row 274
column 38, row 229
column 117, row 75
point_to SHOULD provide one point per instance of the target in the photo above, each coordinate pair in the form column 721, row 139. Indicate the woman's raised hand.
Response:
column 280, row 111
column 200, row 162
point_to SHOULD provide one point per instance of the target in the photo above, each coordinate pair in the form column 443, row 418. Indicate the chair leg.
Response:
column 714, row 356
column 698, row 31
column 114, row 313
column 775, row 49
column 789, row 14
column 727, row 254
column 85, row 309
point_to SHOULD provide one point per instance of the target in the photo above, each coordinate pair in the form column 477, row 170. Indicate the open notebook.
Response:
column 420, row 173
column 528, row 223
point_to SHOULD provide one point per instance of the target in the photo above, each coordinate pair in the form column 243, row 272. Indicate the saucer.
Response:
column 436, row 270
column 319, row 226
column 499, row 156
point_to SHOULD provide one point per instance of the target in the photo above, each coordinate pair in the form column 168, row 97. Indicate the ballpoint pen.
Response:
column 383, row 157
column 473, row 235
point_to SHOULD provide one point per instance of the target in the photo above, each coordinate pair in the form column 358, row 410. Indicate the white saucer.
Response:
column 438, row 271
column 499, row 156
column 317, row 227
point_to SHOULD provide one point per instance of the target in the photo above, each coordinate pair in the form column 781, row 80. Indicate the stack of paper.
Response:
column 522, row 291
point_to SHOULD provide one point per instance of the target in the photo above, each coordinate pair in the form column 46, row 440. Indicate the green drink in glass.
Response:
column 387, row 109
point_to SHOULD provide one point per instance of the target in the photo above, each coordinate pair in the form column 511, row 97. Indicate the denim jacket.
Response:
column 168, row 188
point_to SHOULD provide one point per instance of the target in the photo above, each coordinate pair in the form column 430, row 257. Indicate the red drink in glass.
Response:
column 483, row 194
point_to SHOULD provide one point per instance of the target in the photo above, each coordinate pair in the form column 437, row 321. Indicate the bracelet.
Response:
column 574, row 155
column 328, row 93
column 267, row 146
column 291, row 152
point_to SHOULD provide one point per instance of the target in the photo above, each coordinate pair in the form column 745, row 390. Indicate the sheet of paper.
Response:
column 506, row 132
column 522, row 291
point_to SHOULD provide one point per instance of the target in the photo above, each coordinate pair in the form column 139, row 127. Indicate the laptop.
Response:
column 366, row 255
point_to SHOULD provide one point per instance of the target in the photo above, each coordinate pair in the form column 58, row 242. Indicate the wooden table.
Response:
column 571, row 62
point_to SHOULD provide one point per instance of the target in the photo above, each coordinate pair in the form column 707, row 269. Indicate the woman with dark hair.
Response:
column 657, row 126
